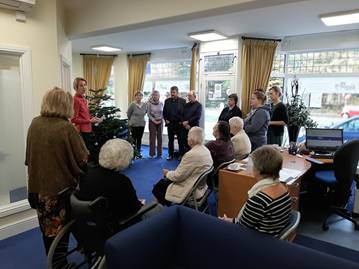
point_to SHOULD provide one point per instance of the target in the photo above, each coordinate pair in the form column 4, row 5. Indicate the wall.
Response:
column 39, row 33
column 43, row 34
column 77, row 66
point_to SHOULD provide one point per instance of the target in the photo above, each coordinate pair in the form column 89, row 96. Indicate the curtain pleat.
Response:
column 256, row 66
column 136, row 74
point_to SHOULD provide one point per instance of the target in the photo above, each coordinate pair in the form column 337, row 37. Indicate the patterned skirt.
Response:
column 51, row 212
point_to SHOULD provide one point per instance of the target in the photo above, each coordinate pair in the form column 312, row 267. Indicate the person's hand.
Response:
column 185, row 123
column 167, row 122
column 143, row 201
column 158, row 122
column 225, row 218
column 187, row 127
column 165, row 171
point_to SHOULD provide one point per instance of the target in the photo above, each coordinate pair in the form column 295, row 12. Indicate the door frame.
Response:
column 27, row 111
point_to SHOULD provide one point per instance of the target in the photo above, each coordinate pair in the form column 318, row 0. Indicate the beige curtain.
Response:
column 136, row 74
column 193, row 75
column 97, row 71
column 257, row 61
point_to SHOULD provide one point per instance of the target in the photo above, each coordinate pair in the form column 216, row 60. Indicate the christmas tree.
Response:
column 112, row 125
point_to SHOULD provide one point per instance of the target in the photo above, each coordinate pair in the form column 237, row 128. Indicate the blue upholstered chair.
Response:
column 340, row 181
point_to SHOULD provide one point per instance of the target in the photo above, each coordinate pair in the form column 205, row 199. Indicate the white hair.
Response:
column 116, row 154
column 236, row 122
column 195, row 134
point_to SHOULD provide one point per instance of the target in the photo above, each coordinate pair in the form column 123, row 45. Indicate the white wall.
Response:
column 39, row 33
column 77, row 66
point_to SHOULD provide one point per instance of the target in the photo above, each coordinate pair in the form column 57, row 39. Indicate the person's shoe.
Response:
column 159, row 156
column 151, row 156
column 169, row 158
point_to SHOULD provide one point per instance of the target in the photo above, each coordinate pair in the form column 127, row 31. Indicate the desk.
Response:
column 234, row 186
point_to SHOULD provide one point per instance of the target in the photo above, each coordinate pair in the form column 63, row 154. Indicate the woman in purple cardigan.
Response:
column 155, row 123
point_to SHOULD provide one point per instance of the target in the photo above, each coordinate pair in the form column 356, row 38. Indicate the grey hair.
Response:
column 267, row 161
column 116, row 154
column 195, row 134
column 236, row 122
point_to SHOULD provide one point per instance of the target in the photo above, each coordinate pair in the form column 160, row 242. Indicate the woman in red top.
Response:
column 82, row 118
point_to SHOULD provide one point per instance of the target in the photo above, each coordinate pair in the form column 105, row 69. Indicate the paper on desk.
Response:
column 287, row 175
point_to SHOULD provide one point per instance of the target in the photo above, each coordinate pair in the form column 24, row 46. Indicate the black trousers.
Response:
column 87, row 139
column 172, row 130
column 137, row 133
column 159, row 191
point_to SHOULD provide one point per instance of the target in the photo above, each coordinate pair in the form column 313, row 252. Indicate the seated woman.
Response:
column 240, row 140
column 106, row 180
column 268, row 207
column 222, row 148
column 256, row 123
column 177, row 184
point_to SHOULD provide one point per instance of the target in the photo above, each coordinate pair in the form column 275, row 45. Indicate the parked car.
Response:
column 349, row 111
column 350, row 129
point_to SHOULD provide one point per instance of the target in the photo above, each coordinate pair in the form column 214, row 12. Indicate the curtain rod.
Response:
column 93, row 54
column 140, row 54
column 264, row 39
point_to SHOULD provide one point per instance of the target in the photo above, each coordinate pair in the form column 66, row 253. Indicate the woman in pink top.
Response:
column 82, row 118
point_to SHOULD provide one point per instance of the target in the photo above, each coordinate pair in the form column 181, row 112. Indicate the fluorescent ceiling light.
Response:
column 105, row 48
column 340, row 18
column 209, row 35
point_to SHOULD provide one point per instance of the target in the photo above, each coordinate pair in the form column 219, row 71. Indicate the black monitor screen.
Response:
column 318, row 139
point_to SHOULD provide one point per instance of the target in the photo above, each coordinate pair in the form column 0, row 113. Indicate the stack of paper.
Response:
column 287, row 175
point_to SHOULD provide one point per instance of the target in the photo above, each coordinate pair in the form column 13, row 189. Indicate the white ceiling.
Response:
column 277, row 22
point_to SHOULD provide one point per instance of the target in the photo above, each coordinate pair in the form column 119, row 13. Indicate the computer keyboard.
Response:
column 322, row 156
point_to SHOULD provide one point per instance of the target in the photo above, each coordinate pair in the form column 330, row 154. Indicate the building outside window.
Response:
column 328, row 81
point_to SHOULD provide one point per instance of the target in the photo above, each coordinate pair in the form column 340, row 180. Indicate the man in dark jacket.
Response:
column 173, row 116
column 192, row 115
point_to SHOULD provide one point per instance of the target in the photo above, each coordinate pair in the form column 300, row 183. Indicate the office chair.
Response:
column 213, row 179
column 340, row 181
column 294, row 219
column 200, row 204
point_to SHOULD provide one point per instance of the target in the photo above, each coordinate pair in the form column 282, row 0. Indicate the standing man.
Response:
column 173, row 116
column 82, row 118
column 191, row 115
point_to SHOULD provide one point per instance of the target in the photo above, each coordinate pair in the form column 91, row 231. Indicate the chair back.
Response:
column 190, row 199
column 294, row 219
column 345, row 166
column 92, row 226
column 213, row 182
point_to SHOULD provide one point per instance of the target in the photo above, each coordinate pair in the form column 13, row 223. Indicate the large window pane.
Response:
column 219, row 63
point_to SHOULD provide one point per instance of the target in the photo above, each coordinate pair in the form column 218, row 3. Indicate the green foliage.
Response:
column 111, row 126
column 298, row 114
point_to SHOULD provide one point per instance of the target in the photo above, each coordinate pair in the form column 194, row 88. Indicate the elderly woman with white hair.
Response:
column 107, row 181
column 175, row 185
column 269, row 205
column 240, row 140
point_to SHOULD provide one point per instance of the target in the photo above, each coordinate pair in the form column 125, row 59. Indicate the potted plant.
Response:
column 298, row 114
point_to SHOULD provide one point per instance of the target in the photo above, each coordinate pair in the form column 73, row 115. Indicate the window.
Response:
column 110, row 90
column 219, row 63
column 328, row 81
column 162, row 76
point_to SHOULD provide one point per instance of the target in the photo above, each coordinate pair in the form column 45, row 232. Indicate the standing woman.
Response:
column 55, row 153
column 136, row 120
column 82, row 118
column 155, row 123
column 232, row 110
column 256, row 124
column 279, row 117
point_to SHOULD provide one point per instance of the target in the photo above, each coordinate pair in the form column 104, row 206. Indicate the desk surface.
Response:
column 234, row 186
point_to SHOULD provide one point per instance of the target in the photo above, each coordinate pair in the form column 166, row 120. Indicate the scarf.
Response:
column 260, row 185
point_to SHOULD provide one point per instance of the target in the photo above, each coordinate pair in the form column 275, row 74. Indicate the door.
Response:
column 13, row 184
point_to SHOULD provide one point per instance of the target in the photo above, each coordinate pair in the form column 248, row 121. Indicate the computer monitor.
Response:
column 323, row 140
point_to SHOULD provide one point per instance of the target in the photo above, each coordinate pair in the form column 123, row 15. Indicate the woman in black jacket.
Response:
column 232, row 110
